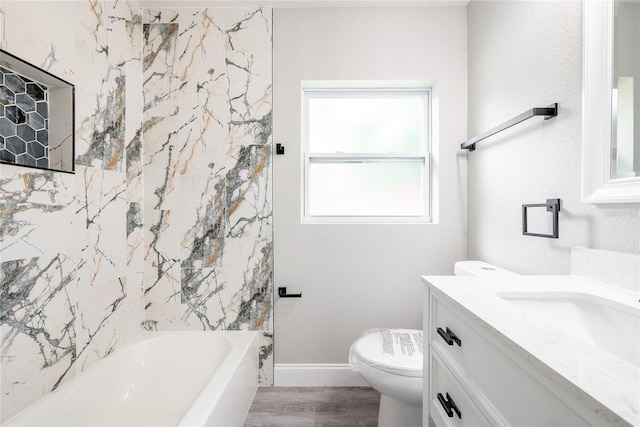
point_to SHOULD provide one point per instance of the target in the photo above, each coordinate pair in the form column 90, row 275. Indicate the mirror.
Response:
column 625, row 103
column 36, row 117
column 611, row 105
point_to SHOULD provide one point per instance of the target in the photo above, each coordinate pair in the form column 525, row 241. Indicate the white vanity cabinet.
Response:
column 472, row 379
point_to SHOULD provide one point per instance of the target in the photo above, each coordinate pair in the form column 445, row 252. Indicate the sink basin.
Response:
column 609, row 325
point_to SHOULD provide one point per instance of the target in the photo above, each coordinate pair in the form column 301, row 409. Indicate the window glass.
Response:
column 366, row 124
column 366, row 155
column 366, row 188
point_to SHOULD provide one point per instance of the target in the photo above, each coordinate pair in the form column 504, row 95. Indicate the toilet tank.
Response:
column 479, row 268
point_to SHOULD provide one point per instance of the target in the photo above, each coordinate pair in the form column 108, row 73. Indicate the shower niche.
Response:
column 36, row 117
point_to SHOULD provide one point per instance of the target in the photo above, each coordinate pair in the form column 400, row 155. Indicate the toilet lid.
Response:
column 397, row 351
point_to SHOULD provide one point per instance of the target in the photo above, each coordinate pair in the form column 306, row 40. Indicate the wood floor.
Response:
column 314, row 406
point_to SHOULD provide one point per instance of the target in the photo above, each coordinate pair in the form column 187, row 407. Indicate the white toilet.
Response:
column 390, row 360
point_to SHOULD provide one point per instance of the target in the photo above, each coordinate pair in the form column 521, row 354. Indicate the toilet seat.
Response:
column 395, row 351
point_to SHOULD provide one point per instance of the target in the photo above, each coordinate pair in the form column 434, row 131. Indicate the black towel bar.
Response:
column 547, row 112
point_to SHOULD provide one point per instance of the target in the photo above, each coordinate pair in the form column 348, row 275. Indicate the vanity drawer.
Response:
column 443, row 386
column 499, row 379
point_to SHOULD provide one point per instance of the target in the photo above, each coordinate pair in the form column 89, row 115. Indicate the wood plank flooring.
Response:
column 314, row 406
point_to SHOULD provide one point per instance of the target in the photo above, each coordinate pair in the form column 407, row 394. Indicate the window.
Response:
column 366, row 155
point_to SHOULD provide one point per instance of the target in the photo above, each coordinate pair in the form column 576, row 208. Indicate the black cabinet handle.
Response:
column 449, row 337
column 449, row 406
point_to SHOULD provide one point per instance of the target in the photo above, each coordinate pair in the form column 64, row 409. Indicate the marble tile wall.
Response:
column 172, row 185
column 71, row 251
column 207, row 172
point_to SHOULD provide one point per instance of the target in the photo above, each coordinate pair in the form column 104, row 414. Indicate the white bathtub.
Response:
column 161, row 379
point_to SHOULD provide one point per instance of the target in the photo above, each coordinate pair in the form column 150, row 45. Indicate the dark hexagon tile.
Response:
column 25, row 102
column 7, row 97
column 35, row 91
column 25, row 159
column 24, row 114
column 14, row 82
column 43, row 137
column 15, row 145
column 35, row 149
column 7, row 128
column 35, row 120
column 43, row 109
column 15, row 114
column 43, row 162
column 6, row 156
column 26, row 132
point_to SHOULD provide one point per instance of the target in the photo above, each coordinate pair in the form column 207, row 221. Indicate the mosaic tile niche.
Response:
column 36, row 117
column 24, row 120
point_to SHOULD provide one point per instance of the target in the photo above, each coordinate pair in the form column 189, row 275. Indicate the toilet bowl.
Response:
column 390, row 360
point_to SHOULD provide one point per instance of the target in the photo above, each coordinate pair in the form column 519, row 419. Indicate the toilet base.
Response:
column 394, row 413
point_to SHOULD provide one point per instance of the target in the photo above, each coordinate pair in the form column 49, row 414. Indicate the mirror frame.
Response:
column 597, row 184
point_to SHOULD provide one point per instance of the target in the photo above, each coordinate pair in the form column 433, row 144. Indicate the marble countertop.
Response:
column 606, row 384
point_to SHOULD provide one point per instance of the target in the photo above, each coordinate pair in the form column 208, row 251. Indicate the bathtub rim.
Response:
column 246, row 345
column 211, row 394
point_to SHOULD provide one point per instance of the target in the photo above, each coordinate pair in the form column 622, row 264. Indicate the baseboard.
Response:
column 316, row 375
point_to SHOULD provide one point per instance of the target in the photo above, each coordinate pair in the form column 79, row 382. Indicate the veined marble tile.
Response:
column 105, row 40
column 36, row 212
column 248, row 195
column 135, row 189
column 104, row 314
column 171, row 316
column 38, row 334
column 33, row 33
column 233, row 296
column 207, row 168
column 204, row 136
column 101, row 223
column 159, row 67
column 203, row 97
column 135, row 299
column 162, row 257
column 92, row 35
column 205, row 297
column 265, row 358
column 161, row 152
column 203, row 221
column 248, row 29
column 249, row 71
column 249, row 75
column 252, row 302
column 160, row 15
column 104, row 50
column 135, row 236
column 117, row 16
column 132, row 12
column 88, row 299
column 134, row 110
column 100, row 127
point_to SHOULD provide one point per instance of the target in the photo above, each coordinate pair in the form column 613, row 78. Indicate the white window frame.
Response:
column 425, row 94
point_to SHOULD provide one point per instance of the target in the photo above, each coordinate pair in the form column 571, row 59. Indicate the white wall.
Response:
column 524, row 55
column 355, row 277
